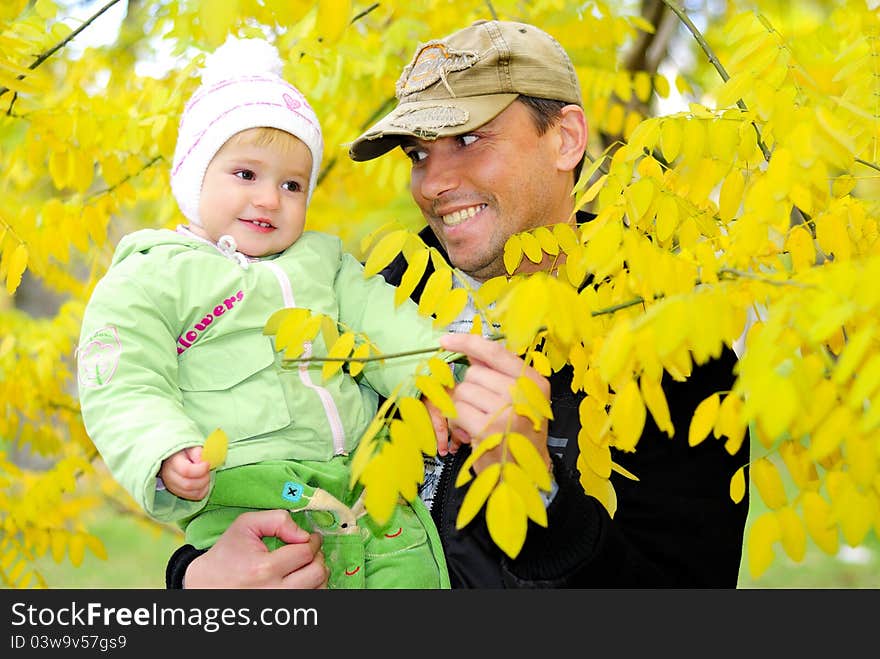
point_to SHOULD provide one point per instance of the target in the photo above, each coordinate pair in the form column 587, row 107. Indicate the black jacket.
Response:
column 675, row 527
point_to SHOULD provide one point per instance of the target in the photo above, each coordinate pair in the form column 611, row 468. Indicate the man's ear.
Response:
column 573, row 132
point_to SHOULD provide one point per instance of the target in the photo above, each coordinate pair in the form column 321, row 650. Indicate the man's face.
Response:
column 478, row 189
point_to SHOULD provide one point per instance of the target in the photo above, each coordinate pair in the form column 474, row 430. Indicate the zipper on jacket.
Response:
column 330, row 409
column 451, row 466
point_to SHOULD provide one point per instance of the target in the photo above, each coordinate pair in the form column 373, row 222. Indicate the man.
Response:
column 491, row 119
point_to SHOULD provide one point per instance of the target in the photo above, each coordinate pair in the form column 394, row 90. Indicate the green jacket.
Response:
column 171, row 348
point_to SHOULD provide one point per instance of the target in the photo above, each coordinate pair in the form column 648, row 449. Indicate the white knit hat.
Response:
column 241, row 88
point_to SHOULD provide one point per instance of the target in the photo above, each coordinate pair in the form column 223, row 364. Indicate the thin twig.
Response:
column 868, row 164
column 127, row 178
column 376, row 358
column 492, row 10
column 739, row 274
column 366, row 11
column 54, row 49
column 618, row 307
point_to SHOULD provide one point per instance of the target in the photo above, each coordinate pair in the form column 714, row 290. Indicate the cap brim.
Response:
column 428, row 120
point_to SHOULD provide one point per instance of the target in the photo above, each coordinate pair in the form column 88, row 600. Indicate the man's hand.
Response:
column 239, row 559
column 483, row 399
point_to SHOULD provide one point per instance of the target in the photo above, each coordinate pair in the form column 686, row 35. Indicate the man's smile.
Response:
column 459, row 216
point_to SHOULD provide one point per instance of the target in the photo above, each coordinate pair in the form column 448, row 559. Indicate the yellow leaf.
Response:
column 763, row 533
column 793, row 533
column 17, row 265
column 333, row 17
column 670, row 139
column 738, row 485
column 287, row 324
column 364, row 452
column 843, row 185
column 655, row 400
column 477, row 494
column 661, row 86
column 405, row 457
column 361, row 352
column 532, row 395
column 513, row 253
column 441, row 371
column 482, row 447
column 531, row 247
column 853, row 510
column 216, row 19
column 437, row 395
column 817, row 515
column 415, row 415
column 693, row 140
column 802, row 249
column 527, row 456
column 76, row 549
column 436, row 288
column 642, row 86
column 768, row 482
column 599, row 488
column 800, row 467
column 597, row 457
column 491, row 290
column 667, row 217
column 524, row 487
column 96, row 547
column 855, row 350
column 623, row 472
column 388, row 247
column 566, row 237
column 538, row 360
column 338, row 351
column 590, row 193
column 616, row 352
column 547, row 240
column 214, row 449
column 704, row 419
column 415, row 269
column 329, row 330
column 628, row 416
column 638, row 198
column 731, row 195
column 506, row 519
column 58, row 542
column 828, row 435
column 450, row 306
column 381, row 493
column 367, row 240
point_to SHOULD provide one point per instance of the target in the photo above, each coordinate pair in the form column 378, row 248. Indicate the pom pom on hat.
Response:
column 241, row 57
column 241, row 88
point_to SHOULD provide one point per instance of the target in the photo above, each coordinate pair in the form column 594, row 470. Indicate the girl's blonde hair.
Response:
column 265, row 136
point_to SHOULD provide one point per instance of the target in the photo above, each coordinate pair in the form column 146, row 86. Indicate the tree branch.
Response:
column 54, row 49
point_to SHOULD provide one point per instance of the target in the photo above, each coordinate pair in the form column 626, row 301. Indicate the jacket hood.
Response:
column 146, row 239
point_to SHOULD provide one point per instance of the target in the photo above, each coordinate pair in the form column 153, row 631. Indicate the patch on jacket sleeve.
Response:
column 98, row 357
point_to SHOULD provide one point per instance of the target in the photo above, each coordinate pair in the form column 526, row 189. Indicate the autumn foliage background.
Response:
column 733, row 165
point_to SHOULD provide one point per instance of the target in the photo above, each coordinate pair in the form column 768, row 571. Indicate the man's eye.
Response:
column 467, row 139
column 291, row 186
column 415, row 155
column 246, row 174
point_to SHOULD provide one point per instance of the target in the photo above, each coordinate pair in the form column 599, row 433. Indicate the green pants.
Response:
column 405, row 553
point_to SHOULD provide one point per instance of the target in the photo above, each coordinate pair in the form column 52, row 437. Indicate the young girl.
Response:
column 172, row 342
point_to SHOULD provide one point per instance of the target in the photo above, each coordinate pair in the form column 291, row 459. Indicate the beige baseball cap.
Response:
column 456, row 84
